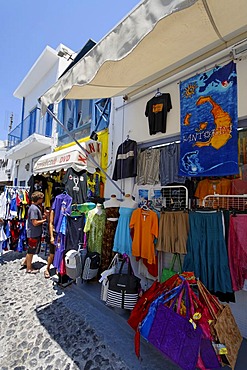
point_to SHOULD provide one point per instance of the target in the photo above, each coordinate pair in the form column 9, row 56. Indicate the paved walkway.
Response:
column 46, row 327
column 38, row 331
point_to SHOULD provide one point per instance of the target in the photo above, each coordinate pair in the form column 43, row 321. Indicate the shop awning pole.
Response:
column 84, row 150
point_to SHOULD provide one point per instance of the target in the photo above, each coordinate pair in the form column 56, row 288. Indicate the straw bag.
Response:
column 224, row 328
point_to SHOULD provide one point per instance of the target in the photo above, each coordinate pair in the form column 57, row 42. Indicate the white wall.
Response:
column 130, row 119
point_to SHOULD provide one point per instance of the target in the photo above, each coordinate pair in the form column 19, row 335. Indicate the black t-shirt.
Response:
column 76, row 185
column 156, row 111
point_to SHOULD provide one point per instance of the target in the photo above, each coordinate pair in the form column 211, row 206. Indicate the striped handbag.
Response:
column 123, row 289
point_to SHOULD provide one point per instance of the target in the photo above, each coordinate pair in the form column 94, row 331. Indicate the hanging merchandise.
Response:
column 237, row 250
column 61, row 207
column 122, row 239
column 104, row 277
column 175, row 335
column 169, row 164
column 94, row 227
column 206, row 251
column 144, row 222
column 209, row 121
column 148, row 167
column 224, row 327
column 76, row 185
column 156, row 111
column 173, row 232
column 112, row 216
column 123, row 290
column 169, row 272
column 37, row 183
column 126, row 160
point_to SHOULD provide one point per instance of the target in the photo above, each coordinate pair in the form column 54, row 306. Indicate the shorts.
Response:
column 52, row 248
column 33, row 245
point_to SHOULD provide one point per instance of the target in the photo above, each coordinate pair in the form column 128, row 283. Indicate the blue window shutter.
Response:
column 48, row 122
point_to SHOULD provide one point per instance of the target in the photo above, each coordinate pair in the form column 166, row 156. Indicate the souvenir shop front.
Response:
column 182, row 159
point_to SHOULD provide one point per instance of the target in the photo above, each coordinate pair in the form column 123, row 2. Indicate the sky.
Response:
column 28, row 26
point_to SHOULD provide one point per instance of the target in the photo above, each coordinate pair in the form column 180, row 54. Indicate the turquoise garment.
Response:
column 122, row 240
column 207, row 253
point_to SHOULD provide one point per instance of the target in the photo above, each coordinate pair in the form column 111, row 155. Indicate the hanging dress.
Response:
column 94, row 227
column 122, row 240
column 108, row 237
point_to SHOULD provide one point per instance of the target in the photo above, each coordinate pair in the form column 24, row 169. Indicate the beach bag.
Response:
column 174, row 335
column 168, row 272
column 104, row 277
column 123, row 290
column 223, row 325
column 91, row 266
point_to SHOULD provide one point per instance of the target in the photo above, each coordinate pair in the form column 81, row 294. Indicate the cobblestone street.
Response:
column 46, row 327
column 37, row 331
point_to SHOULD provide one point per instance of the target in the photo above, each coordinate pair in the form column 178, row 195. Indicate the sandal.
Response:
column 47, row 274
column 32, row 271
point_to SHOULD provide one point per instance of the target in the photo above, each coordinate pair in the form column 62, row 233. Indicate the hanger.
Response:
column 158, row 93
column 145, row 206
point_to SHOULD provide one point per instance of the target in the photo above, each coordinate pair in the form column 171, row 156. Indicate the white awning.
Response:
column 159, row 38
column 72, row 156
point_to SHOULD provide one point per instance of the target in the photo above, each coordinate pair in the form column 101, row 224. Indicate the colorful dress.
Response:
column 108, row 237
column 122, row 240
column 94, row 227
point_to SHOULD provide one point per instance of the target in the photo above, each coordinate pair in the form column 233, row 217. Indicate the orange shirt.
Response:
column 145, row 225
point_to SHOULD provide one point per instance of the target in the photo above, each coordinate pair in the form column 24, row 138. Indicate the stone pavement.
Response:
column 45, row 327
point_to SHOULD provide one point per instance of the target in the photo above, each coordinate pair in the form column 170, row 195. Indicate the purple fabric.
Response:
column 208, row 355
column 60, row 247
column 176, row 338
column 61, row 206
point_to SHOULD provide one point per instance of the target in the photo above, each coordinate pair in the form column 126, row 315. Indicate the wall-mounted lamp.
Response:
column 65, row 54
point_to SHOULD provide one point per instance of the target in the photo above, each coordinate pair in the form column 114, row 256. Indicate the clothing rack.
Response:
column 175, row 197
column 235, row 202
column 17, row 187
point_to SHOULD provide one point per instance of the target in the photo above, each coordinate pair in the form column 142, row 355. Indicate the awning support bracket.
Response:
column 84, row 150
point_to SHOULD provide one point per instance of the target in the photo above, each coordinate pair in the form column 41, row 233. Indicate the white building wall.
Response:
column 129, row 118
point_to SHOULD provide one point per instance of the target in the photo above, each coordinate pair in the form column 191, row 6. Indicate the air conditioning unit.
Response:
column 240, row 50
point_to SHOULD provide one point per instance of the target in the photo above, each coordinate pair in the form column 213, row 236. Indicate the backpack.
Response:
column 73, row 264
column 91, row 265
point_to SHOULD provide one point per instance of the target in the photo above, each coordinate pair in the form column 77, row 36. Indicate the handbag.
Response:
column 174, row 335
column 168, row 272
column 104, row 277
column 146, row 324
column 223, row 326
column 123, row 289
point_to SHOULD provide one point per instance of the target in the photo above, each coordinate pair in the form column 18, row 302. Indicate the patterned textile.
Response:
column 95, row 225
column 209, row 118
column 108, row 237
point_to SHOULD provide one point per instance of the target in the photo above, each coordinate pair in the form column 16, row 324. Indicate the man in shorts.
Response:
column 34, row 229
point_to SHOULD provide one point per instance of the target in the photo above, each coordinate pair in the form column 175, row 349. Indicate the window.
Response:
column 32, row 121
column 48, row 122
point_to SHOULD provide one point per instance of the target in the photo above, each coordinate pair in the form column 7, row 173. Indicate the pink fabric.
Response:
column 237, row 250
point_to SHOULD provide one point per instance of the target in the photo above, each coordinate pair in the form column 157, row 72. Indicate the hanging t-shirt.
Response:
column 126, row 160
column 37, row 183
column 145, row 225
column 76, row 185
column 156, row 111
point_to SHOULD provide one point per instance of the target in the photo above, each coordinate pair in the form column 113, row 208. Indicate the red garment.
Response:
column 237, row 250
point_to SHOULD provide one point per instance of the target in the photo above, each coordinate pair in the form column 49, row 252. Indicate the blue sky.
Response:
column 27, row 26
